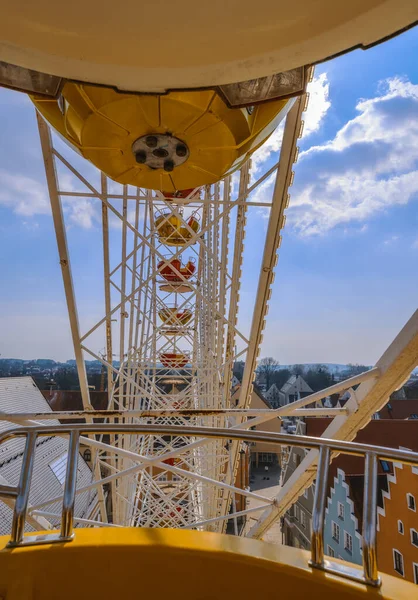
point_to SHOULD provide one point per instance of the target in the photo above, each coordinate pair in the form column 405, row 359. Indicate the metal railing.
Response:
column 325, row 447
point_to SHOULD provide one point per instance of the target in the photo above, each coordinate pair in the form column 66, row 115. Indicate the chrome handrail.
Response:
column 325, row 446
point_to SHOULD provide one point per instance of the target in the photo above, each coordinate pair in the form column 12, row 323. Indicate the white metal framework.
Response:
column 168, row 335
column 170, row 332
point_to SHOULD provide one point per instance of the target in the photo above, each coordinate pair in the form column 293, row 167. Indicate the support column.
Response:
column 51, row 177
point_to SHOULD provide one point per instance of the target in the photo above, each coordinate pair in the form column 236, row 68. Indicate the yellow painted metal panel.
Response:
column 163, row 563
column 104, row 124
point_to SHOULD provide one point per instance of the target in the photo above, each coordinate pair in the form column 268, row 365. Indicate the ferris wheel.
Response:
column 171, row 329
column 168, row 159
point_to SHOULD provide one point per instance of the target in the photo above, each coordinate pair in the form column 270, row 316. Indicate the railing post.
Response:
column 22, row 499
column 67, row 517
column 371, row 575
column 318, row 512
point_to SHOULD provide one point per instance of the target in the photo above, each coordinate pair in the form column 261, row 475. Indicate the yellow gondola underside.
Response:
column 110, row 564
column 103, row 124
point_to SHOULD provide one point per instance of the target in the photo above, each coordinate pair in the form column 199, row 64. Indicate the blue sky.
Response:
column 346, row 280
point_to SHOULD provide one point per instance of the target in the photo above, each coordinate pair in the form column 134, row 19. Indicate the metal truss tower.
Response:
column 170, row 331
column 168, row 335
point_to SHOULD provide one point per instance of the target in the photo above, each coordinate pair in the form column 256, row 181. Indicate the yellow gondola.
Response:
column 173, row 230
column 169, row 142
column 173, row 316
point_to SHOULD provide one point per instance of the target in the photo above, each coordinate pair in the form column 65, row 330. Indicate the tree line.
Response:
column 318, row 377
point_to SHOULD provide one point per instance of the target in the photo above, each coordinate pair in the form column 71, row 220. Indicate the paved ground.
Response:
column 267, row 484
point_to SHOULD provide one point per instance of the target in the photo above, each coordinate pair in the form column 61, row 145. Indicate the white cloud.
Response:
column 263, row 193
column 27, row 197
column 391, row 240
column 31, row 225
column 24, row 195
column 318, row 107
column 82, row 213
column 369, row 166
column 272, row 145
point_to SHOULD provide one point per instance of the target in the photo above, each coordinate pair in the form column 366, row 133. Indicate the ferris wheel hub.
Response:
column 160, row 151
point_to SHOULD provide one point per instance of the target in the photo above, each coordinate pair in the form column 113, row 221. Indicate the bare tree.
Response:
column 298, row 370
column 266, row 367
column 238, row 369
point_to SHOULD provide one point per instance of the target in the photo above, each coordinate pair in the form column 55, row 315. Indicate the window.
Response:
column 385, row 466
column 415, row 567
column 59, row 467
column 303, row 519
column 348, row 542
column 400, row 527
column 411, row 501
column 398, row 562
column 330, row 551
column 296, row 512
column 341, row 510
column 414, row 537
column 336, row 532
column 305, row 494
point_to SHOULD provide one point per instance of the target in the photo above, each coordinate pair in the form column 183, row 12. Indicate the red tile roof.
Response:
column 399, row 409
column 382, row 432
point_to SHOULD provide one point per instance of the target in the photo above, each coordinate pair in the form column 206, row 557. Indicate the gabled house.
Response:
column 294, row 389
column 341, row 533
column 274, row 396
column 20, row 394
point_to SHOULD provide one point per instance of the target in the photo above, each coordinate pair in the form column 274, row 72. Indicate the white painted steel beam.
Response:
column 395, row 366
column 64, row 258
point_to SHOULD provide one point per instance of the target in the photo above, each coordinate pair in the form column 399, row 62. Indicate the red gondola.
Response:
column 168, row 271
column 174, row 360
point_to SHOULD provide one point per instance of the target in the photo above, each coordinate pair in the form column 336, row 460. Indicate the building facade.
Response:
column 341, row 533
column 397, row 534
column 294, row 389
column 297, row 522
column 274, row 396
